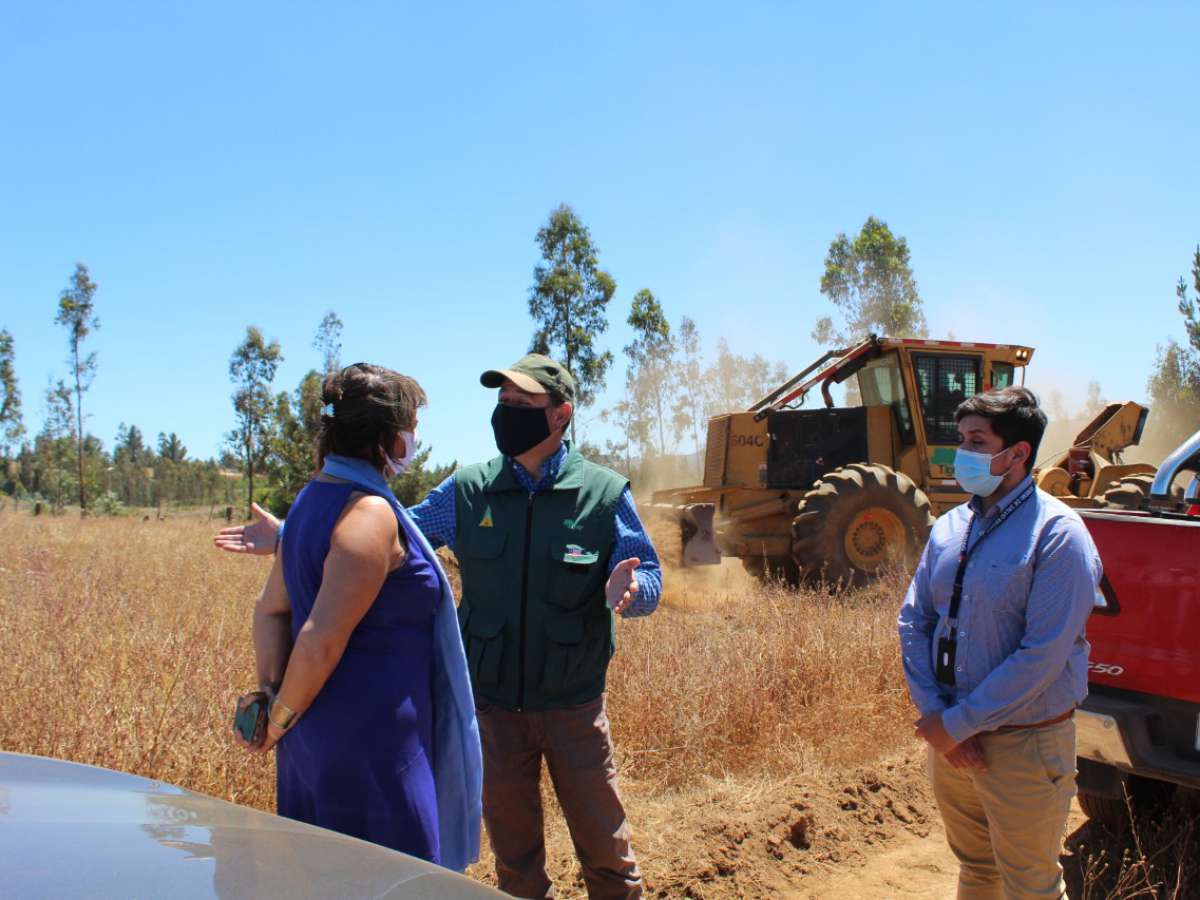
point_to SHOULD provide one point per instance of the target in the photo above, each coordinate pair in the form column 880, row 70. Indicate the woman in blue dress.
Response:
column 346, row 633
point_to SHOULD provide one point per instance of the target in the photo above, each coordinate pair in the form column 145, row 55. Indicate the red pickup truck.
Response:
column 1139, row 729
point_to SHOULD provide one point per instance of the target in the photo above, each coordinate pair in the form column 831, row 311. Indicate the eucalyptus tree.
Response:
column 77, row 313
column 869, row 280
column 568, row 302
column 252, row 370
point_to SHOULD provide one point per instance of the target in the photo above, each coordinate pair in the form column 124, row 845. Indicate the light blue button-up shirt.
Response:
column 1022, row 650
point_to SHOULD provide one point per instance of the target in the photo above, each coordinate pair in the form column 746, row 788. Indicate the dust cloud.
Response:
column 1159, row 438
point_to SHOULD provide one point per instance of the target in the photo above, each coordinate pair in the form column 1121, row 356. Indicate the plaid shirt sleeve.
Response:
column 630, row 540
column 436, row 516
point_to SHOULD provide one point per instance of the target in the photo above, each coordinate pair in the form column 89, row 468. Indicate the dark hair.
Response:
column 371, row 405
column 1013, row 413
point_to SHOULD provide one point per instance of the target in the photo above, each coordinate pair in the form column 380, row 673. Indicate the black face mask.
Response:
column 519, row 428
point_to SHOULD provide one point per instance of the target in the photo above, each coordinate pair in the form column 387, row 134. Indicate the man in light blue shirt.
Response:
column 997, row 672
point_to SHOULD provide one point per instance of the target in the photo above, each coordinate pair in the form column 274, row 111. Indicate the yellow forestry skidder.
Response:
column 840, row 493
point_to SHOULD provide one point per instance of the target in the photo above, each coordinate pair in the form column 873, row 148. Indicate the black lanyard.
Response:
column 947, row 646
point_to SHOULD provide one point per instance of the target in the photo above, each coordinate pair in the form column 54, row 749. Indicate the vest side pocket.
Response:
column 485, row 646
column 576, row 657
column 564, row 653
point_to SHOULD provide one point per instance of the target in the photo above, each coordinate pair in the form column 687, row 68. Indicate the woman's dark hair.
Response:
column 1014, row 415
column 370, row 405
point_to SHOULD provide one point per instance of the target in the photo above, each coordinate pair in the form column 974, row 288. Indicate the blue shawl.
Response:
column 457, row 758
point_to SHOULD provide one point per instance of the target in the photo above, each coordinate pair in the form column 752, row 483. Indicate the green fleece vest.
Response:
column 536, row 627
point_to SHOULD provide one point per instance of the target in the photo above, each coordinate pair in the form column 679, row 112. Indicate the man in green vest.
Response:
column 551, row 549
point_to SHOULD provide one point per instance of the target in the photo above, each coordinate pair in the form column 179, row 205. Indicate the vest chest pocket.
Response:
column 485, row 646
column 576, row 575
column 481, row 561
column 483, row 543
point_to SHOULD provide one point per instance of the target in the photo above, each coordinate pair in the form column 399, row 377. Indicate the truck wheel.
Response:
column 1147, row 796
column 773, row 569
column 1130, row 492
column 1105, row 810
column 857, row 520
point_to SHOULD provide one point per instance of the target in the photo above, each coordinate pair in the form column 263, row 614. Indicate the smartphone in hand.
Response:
column 250, row 717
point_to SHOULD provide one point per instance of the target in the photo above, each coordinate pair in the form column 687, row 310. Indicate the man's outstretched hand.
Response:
column 622, row 584
column 258, row 537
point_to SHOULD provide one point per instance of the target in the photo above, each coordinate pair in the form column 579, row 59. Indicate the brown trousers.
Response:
column 1006, row 825
column 577, row 745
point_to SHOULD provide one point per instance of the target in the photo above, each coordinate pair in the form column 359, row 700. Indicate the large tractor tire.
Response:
column 773, row 569
column 858, row 520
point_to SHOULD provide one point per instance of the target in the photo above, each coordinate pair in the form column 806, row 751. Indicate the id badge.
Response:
column 944, row 670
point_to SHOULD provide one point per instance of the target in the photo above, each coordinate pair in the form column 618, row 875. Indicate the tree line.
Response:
column 272, row 440
column 671, row 387
column 275, row 433
column 669, row 390
column 63, row 463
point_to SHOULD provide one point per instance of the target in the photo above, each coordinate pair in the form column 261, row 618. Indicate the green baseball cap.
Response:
column 535, row 373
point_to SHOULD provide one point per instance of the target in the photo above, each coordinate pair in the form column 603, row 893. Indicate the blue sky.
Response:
column 217, row 165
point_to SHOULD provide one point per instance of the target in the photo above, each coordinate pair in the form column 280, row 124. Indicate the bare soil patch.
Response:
column 762, row 837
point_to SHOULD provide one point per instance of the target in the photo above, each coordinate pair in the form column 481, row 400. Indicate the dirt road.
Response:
column 908, row 866
column 911, row 866
column 870, row 834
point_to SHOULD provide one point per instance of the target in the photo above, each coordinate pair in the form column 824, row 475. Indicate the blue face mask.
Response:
column 974, row 472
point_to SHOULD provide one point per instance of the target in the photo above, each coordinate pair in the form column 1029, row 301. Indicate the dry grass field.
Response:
column 763, row 735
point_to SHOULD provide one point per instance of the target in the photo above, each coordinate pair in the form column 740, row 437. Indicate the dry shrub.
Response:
column 1156, row 855
column 127, row 642
column 732, row 677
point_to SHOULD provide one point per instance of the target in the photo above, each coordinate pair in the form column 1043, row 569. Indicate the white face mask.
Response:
column 393, row 467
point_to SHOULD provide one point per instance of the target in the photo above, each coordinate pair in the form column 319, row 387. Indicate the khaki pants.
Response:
column 578, row 750
column 1006, row 825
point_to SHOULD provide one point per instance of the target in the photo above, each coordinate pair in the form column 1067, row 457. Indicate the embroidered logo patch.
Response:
column 573, row 553
column 486, row 521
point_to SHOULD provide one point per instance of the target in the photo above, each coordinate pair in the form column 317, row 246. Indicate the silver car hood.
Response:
column 69, row 830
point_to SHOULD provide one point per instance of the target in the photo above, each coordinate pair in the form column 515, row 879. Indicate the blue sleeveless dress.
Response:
column 359, row 760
